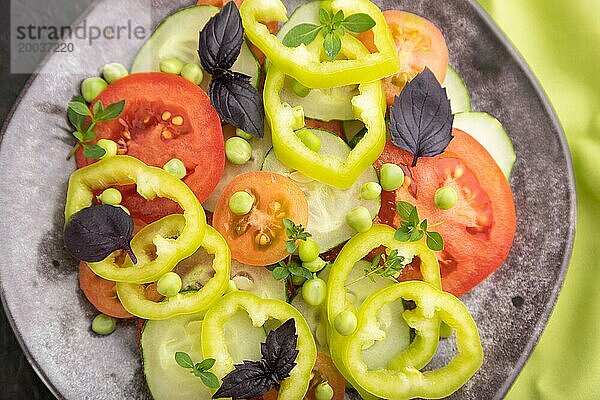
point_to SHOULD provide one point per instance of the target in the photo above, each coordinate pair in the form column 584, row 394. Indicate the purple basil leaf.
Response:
column 238, row 102
column 279, row 351
column 221, row 40
column 421, row 119
column 93, row 233
column 246, row 381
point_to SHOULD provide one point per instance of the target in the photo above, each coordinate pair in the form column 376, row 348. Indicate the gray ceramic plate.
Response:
column 39, row 281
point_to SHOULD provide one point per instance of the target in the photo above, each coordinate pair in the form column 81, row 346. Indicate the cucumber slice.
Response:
column 164, row 377
column 460, row 99
column 162, row 339
column 260, row 148
column 351, row 128
column 177, row 36
column 490, row 133
column 320, row 104
column 197, row 269
column 327, row 205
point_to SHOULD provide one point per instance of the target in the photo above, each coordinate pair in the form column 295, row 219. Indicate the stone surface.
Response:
column 38, row 280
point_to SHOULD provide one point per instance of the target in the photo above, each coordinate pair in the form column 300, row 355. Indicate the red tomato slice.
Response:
column 101, row 293
column 165, row 117
column 419, row 44
column 478, row 231
column 258, row 238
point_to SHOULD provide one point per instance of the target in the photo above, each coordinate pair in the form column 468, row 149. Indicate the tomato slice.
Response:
column 478, row 231
column 165, row 117
column 101, row 293
column 258, row 238
column 419, row 44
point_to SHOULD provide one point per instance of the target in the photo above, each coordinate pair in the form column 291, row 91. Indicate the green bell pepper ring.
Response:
column 423, row 347
column 368, row 106
column 260, row 310
column 151, row 182
column 407, row 382
column 305, row 66
column 133, row 296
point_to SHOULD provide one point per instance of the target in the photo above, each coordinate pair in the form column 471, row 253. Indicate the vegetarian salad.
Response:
column 291, row 206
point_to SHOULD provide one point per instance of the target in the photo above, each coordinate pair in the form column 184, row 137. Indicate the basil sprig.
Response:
column 201, row 369
column 84, row 121
column 412, row 229
column 231, row 94
column 332, row 26
column 421, row 119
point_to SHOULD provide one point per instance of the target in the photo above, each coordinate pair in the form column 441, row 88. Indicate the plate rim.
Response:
column 541, row 324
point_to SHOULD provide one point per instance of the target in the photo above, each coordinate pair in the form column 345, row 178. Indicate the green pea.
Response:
column 323, row 391
column 243, row 134
column 109, row 146
column 300, row 89
column 345, row 323
column 193, row 73
column 176, row 168
column 171, row 66
column 169, row 284
column 103, row 324
column 240, row 203
column 370, row 191
column 316, row 265
column 391, row 177
column 113, row 72
column 359, row 219
column 298, row 280
column 237, row 150
column 445, row 198
column 92, row 87
column 314, row 291
column 110, row 196
column 308, row 250
column 309, row 139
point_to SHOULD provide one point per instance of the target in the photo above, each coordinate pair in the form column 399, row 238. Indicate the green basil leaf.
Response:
column 416, row 234
column 206, row 364
column 280, row 273
column 325, row 16
column 404, row 209
column 290, row 245
column 413, row 218
column 209, row 379
column 358, row 23
column 341, row 31
column 87, row 136
column 78, row 135
column 288, row 223
column 77, row 120
column 332, row 45
column 98, row 111
column 80, row 108
column 402, row 235
column 301, row 34
column 424, row 225
column 435, row 241
column 93, row 151
column 338, row 18
column 111, row 112
column 301, row 271
column 184, row 360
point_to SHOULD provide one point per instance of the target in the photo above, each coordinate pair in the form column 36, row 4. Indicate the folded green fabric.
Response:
column 561, row 42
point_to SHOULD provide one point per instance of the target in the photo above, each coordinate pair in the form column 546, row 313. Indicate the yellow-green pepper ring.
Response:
column 151, row 182
column 407, row 382
column 133, row 296
column 260, row 310
column 305, row 66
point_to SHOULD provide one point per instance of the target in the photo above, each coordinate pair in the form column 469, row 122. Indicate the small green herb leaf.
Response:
column 209, row 379
column 205, row 364
column 435, row 241
column 424, row 225
column 402, row 235
column 332, row 45
column 416, row 234
column 404, row 209
column 413, row 218
column 288, row 223
column 301, row 34
column 358, row 23
column 80, row 108
column 301, row 271
column 280, row 273
column 98, row 110
column 325, row 16
column 77, row 120
column 184, row 360
column 111, row 112
column 85, row 136
column 93, row 151
column 338, row 18
column 290, row 246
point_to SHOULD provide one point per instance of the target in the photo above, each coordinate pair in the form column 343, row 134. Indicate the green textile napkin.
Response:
column 560, row 40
